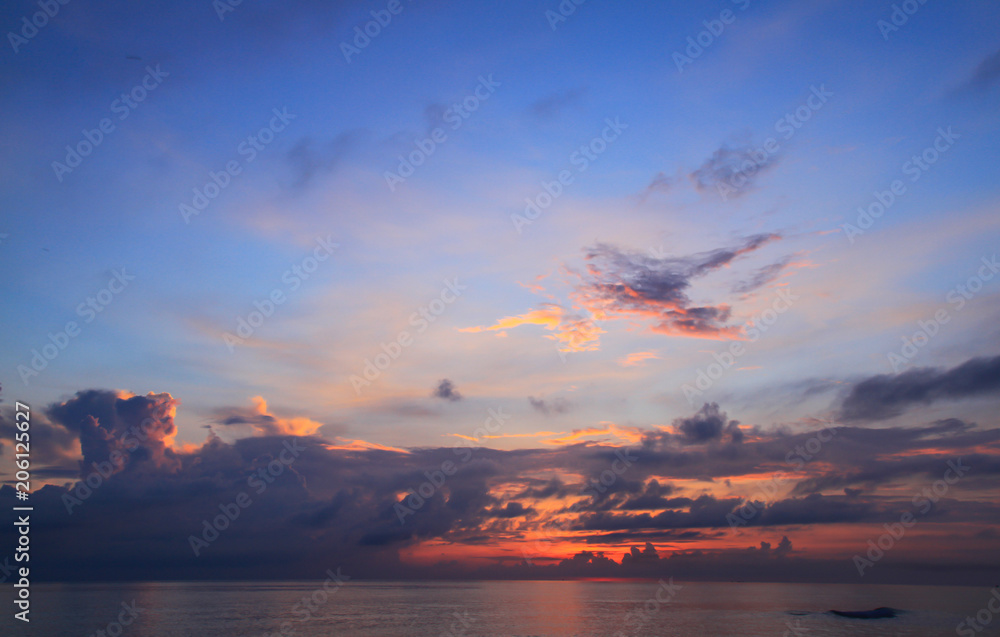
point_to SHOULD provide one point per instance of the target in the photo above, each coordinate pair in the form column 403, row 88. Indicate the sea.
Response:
column 495, row 609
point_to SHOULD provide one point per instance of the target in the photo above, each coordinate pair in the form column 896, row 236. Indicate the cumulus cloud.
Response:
column 446, row 390
column 706, row 425
column 339, row 501
column 141, row 427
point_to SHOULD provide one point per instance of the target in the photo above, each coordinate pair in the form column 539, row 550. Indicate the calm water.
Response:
column 490, row 609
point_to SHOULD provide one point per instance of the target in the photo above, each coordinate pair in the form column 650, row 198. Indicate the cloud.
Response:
column 556, row 406
column 627, row 434
column 706, row 425
column 621, row 283
column 732, row 171
column 573, row 332
column 339, row 500
column 552, row 105
column 139, row 427
column 309, row 158
column 512, row 510
column 987, row 72
column 660, row 183
column 887, row 396
column 446, row 391
column 762, row 276
column 637, row 358
column 263, row 423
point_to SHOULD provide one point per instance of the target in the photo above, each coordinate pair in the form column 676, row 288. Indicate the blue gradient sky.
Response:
column 452, row 218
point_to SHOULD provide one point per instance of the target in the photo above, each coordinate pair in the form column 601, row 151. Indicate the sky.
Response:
column 518, row 290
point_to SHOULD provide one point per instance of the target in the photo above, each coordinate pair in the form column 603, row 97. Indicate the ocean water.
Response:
column 490, row 609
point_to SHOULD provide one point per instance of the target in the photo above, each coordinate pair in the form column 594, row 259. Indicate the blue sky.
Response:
column 453, row 217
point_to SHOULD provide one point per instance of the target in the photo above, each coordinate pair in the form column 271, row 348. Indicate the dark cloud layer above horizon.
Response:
column 340, row 505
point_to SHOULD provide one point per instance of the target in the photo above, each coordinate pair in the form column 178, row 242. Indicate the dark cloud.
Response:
column 55, row 452
column 544, row 489
column 310, row 158
column 446, row 391
column 139, row 427
column 620, row 282
column 886, row 396
column 762, row 276
column 551, row 106
column 653, row 497
column 341, row 503
column 556, row 406
column 660, row 183
column 731, row 172
column 987, row 72
column 706, row 425
column 512, row 510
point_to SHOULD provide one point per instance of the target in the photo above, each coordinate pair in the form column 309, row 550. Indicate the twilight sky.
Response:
column 667, row 244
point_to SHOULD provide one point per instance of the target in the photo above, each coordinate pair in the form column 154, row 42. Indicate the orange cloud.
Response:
column 346, row 444
column 628, row 434
column 267, row 424
column 637, row 358
column 574, row 333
